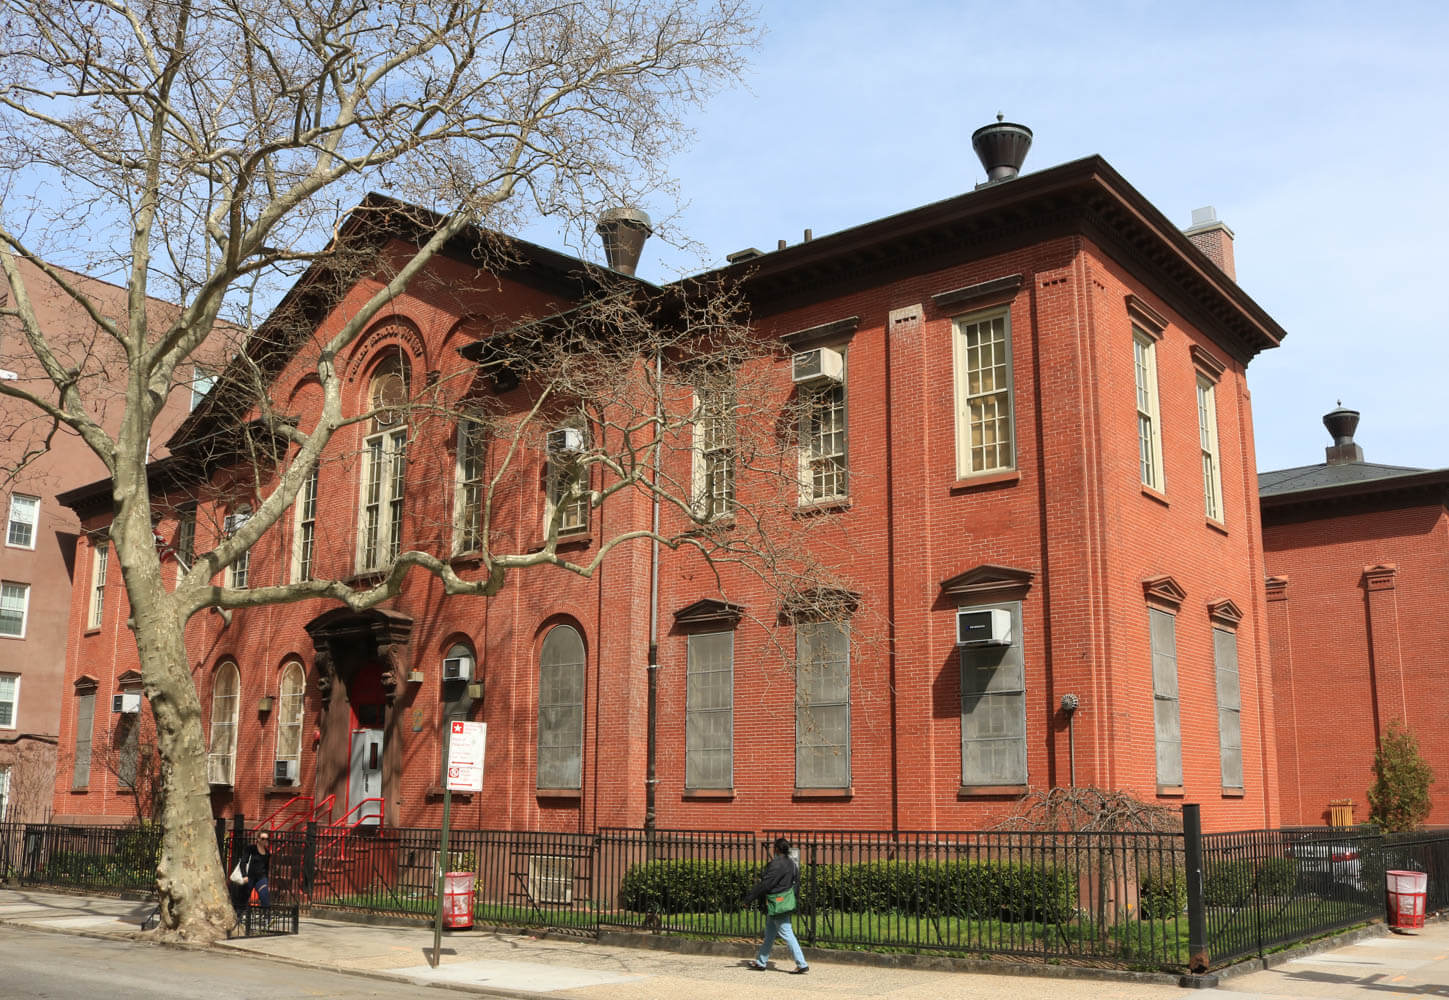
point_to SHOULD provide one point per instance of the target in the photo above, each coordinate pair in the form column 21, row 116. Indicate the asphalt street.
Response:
column 39, row 965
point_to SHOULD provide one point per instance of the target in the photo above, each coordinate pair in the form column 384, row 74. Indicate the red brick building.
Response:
column 1358, row 563
column 1028, row 405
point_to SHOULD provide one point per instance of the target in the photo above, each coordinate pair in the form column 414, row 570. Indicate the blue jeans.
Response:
column 779, row 926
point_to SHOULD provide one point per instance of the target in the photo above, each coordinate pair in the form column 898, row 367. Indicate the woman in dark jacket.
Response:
column 780, row 874
column 256, row 868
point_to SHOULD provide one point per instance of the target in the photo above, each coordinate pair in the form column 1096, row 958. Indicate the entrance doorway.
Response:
column 364, row 778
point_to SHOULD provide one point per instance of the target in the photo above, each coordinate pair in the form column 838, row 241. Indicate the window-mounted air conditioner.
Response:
column 565, row 441
column 819, row 365
column 458, row 668
column 988, row 627
column 126, row 704
column 285, row 772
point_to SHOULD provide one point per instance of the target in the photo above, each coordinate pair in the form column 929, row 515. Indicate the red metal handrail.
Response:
column 280, row 818
column 329, row 802
column 349, row 827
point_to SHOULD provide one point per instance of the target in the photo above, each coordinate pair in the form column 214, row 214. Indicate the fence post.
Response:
column 1197, row 947
column 309, row 858
column 238, row 836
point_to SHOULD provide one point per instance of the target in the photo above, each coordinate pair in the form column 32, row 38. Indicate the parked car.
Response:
column 1324, row 864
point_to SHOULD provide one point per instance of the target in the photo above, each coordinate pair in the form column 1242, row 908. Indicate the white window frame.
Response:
column 1166, row 699
column 566, row 485
column 100, row 565
column 824, row 435
column 201, row 384
column 383, row 491
column 291, row 711
column 709, row 711
column 4, row 792
column 991, row 403
column 304, row 530
column 1149, row 410
column 239, row 572
column 186, row 535
column 713, row 464
column 17, row 520
column 470, row 472
column 8, row 589
column 10, row 700
column 225, row 712
column 984, row 709
column 549, row 743
column 1230, row 707
column 1207, row 432
column 808, row 732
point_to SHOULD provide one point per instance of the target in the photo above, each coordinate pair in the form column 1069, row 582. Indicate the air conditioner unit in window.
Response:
column 285, row 772
column 819, row 365
column 126, row 704
column 565, row 441
column 988, row 627
column 458, row 668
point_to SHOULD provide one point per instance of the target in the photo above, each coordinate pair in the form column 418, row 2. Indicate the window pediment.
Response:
column 983, row 293
column 986, row 580
column 86, row 684
column 819, row 604
column 1151, row 322
column 709, row 612
column 1225, row 612
column 823, row 333
column 131, row 678
column 1164, row 590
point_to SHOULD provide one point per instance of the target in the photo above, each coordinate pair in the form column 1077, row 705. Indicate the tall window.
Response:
column 709, row 711
column 561, row 709
column 1230, row 707
column 993, row 710
column 100, row 562
column 1207, row 432
column 1149, row 430
column 239, row 571
column 823, row 471
column 85, row 723
column 128, row 748
column 714, row 456
column 985, row 441
column 384, row 468
column 290, row 691
column 225, row 702
column 468, row 520
column 186, row 535
column 9, row 699
column 201, row 383
column 24, row 515
column 568, row 488
column 822, row 705
column 1166, row 718
column 304, row 529
column 14, row 603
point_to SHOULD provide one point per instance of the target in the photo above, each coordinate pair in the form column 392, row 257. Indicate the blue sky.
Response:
column 1318, row 131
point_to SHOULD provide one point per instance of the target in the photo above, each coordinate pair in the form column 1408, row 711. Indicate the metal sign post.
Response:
column 463, row 765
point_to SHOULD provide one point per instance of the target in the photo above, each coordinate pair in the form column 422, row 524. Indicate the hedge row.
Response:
column 989, row 890
column 1232, row 883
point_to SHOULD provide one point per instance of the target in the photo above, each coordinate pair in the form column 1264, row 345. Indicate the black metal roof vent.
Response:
column 1002, row 148
column 1341, row 423
column 624, row 231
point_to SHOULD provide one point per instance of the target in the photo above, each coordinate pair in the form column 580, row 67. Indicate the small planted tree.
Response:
column 1399, row 797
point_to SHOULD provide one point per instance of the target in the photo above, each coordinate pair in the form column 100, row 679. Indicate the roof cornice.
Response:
column 1428, row 487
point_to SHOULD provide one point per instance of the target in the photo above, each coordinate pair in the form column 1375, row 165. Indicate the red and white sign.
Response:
column 466, row 741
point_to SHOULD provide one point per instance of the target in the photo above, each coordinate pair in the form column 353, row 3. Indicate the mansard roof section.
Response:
column 1086, row 197
column 375, row 222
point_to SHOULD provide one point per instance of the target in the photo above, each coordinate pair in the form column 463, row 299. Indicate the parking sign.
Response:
column 466, row 741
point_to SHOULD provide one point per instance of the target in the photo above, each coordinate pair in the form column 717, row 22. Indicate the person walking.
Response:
column 256, row 865
column 779, row 885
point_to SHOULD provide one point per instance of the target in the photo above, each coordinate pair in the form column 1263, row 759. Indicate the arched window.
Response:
column 561, row 709
column 225, row 691
column 290, row 706
column 384, row 468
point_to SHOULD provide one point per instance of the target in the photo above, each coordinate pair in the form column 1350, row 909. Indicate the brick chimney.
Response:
column 1341, row 423
column 1213, row 238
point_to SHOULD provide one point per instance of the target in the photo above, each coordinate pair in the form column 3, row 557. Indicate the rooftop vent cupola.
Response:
column 1341, row 423
column 1002, row 148
column 624, row 231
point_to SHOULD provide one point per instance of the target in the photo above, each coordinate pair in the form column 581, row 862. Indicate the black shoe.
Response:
column 757, row 967
column 800, row 970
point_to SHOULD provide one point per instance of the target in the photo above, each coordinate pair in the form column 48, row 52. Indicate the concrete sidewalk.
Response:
column 522, row 965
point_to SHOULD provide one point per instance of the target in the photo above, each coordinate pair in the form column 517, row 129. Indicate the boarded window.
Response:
column 1164, row 697
column 993, row 710
column 1230, row 707
column 822, row 705
column 128, row 748
column 85, row 721
column 561, row 709
column 709, row 711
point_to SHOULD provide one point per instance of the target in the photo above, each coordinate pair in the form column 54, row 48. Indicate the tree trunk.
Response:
column 189, row 877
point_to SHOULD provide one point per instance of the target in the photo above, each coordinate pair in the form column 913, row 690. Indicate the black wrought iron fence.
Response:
column 102, row 859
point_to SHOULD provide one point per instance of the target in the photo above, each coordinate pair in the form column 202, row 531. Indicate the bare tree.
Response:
column 207, row 154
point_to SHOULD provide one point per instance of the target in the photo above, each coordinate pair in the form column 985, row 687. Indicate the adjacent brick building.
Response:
column 1030, row 400
column 1358, row 563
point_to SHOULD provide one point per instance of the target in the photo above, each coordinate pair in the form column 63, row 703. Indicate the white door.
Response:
column 365, row 780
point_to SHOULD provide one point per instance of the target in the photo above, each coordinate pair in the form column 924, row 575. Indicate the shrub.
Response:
column 1161, row 893
column 1399, row 796
column 686, row 886
column 1232, row 883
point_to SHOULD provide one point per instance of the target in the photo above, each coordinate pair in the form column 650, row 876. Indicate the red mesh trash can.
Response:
column 1408, row 899
column 458, row 900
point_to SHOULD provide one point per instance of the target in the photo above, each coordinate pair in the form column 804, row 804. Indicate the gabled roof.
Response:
column 1317, row 477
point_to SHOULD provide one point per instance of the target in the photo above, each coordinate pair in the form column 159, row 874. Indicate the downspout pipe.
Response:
column 651, row 778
